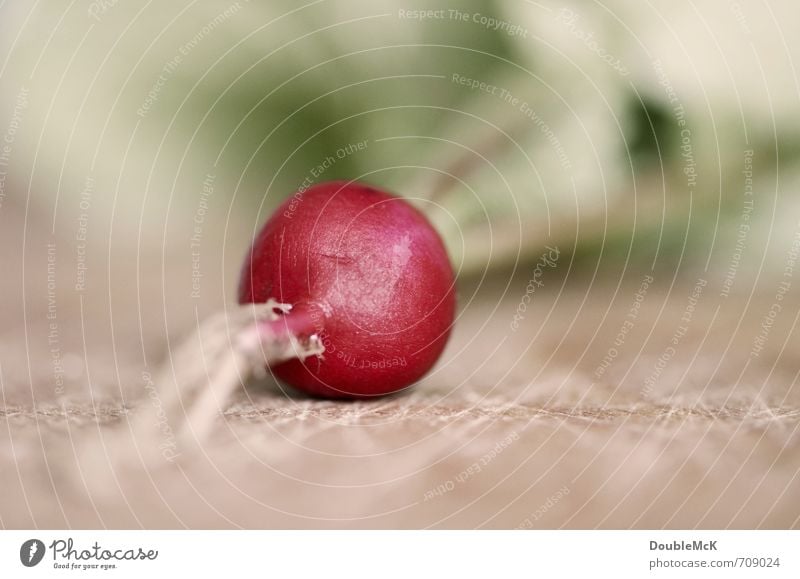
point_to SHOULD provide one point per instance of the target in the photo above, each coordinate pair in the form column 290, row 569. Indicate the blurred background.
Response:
column 654, row 147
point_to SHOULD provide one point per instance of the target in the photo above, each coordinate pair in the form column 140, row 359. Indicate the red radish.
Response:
column 366, row 275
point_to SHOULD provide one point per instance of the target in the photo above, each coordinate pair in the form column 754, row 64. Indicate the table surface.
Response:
column 681, row 411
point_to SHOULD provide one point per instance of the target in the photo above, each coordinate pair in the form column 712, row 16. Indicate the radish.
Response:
column 364, row 277
column 347, row 292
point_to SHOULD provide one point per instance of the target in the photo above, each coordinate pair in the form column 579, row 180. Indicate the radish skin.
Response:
column 366, row 275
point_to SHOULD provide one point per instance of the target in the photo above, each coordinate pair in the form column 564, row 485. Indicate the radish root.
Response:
column 198, row 378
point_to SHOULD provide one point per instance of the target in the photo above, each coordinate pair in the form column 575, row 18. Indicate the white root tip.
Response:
column 197, row 380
